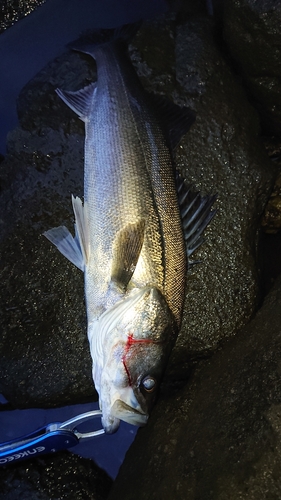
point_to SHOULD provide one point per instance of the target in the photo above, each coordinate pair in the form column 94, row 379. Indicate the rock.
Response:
column 71, row 71
column 45, row 359
column 62, row 476
column 252, row 30
column 44, row 351
column 219, row 436
column 271, row 219
column 14, row 10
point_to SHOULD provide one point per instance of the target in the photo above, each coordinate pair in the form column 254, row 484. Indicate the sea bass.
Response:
column 135, row 231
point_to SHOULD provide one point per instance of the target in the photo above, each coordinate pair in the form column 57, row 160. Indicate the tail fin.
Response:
column 93, row 39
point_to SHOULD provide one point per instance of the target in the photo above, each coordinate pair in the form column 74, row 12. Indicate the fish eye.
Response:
column 149, row 383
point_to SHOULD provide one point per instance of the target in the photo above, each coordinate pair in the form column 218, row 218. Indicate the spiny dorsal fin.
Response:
column 127, row 248
column 195, row 212
column 79, row 101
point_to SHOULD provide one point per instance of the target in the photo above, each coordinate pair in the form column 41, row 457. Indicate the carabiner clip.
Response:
column 49, row 439
column 72, row 423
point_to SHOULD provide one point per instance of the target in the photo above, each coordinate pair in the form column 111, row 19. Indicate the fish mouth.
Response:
column 122, row 411
column 111, row 426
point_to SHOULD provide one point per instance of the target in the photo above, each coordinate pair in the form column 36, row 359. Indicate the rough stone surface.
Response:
column 223, row 154
column 271, row 219
column 252, row 30
column 59, row 477
column 219, row 436
column 45, row 359
column 12, row 11
column 44, row 352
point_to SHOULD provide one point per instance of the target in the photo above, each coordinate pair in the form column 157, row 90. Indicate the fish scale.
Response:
column 127, row 199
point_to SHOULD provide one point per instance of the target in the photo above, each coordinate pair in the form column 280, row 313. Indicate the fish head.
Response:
column 139, row 337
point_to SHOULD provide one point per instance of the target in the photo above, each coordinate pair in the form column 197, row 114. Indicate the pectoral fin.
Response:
column 127, row 248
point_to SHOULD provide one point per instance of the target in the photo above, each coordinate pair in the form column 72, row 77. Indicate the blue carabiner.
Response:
column 49, row 439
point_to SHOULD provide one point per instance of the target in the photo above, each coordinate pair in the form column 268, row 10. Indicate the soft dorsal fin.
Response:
column 126, row 251
column 195, row 212
column 175, row 121
column 79, row 101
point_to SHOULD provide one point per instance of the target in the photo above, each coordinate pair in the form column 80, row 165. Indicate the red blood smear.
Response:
column 131, row 341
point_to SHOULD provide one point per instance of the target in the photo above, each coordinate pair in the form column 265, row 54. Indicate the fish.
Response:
column 135, row 231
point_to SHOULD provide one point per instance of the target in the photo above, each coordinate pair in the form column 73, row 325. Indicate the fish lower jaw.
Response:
column 110, row 425
column 122, row 411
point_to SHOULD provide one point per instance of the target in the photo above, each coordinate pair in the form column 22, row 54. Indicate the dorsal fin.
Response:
column 195, row 212
column 79, row 101
column 175, row 120
column 126, row 251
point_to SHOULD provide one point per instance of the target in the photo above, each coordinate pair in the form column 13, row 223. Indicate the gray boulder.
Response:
column 63, row 475
column 252, row 30
column 45, row 359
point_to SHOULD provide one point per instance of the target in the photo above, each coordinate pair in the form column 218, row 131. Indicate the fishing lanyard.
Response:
column 49, row 439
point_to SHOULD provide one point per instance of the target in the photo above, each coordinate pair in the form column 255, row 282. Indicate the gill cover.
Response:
column 130, row 345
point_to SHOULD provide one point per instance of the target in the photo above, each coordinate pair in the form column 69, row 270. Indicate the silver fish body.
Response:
column 129, row 238
column 129, row 182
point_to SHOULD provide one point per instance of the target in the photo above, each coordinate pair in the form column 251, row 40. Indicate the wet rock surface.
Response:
column 45, row 359
column 13, row 10
column 252, row 30
column 63, row 476
column 222, row 154
column 44, row 352
column 219, row 436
